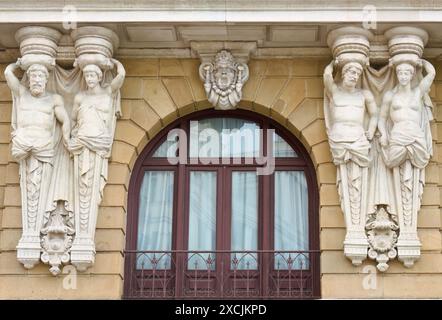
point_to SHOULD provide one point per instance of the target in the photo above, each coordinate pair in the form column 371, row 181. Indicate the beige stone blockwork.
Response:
column 114, row 196
column 119, row 174
column 158, row 98
column 431, row 239
column 308, row 111
column 331, row 217
column 5, row 92
column 321, row 153
column 431, row 195
column 258, row 67
column 141, row 67
column 5, row 112
column 130, row 132
column 12, row 173
column 143, row 115
column 315, row 132
column 123, row 153
column 48, row 287
column 105, row 263
column 290, row 98
column 326, row 173
column 111, row 218
column 334, row 262
column 190, row 69
column 5, row 133
column 308, row 67
column 170, row 67
column 12, row 196
column 2, row 196
column 4, row 153
column 429, row 217
column 181, row 93
column 9, row 239
column 268, row 90
column 249, row 90
column 336, row 286
column 280, row 67
column 432, row 173
column 328, row 194
column 109, row 240
column 2, row 175
column 132, row 88
column 11, row 218
column 332, row 238
column 413, row 286
column 314, row 88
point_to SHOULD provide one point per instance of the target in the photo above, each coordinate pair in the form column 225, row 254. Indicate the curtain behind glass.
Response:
column 291, row 219
column 155, row 219
column 224, row 137
column 244, row 227
column 281, row 149
column 202, row 219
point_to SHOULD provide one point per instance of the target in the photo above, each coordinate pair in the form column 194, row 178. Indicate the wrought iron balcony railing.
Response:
column 180, row 274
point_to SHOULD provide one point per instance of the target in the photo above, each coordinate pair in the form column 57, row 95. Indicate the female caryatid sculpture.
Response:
column 351, row 118
column 94, row 115
column 407, row 146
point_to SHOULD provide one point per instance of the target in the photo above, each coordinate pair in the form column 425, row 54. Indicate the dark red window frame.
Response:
column 180, row 206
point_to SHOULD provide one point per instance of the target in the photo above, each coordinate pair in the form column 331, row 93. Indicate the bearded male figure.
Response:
column 34, row 119
column 351, row 118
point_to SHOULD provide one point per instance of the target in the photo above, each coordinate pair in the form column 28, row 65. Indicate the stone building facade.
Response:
column 161, row 57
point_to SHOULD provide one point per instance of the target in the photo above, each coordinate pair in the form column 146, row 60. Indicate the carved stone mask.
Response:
column 405, row 73
column 224, row 77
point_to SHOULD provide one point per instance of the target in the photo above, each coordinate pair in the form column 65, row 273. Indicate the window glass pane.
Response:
column 168, row 148
column 224, row 137
column 155, row 219
column 244, row 227
column 281, row 148
column 291, row 219
column 202, row 219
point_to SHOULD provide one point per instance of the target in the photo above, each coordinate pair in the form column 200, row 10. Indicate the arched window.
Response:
column 224, row 205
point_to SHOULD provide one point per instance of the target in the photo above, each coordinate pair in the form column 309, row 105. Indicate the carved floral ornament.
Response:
column 378, row 125
column 62, row 142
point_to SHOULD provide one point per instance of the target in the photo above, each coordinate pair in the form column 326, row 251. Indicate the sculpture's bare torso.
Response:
column 35, row 117
column 101, row 107
column 347, row 114
column 405, row 110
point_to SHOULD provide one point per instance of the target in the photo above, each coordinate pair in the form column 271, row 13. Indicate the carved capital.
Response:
column 38, row 45
column 406, row 44
column 350, row 44
column 94, row 45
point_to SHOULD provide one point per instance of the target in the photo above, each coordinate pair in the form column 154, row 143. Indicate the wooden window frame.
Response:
column 146, row 162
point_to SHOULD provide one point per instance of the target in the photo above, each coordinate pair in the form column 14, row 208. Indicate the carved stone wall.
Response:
column 158, row 91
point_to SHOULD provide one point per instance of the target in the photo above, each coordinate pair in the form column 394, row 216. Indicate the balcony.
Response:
column 219, row 274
